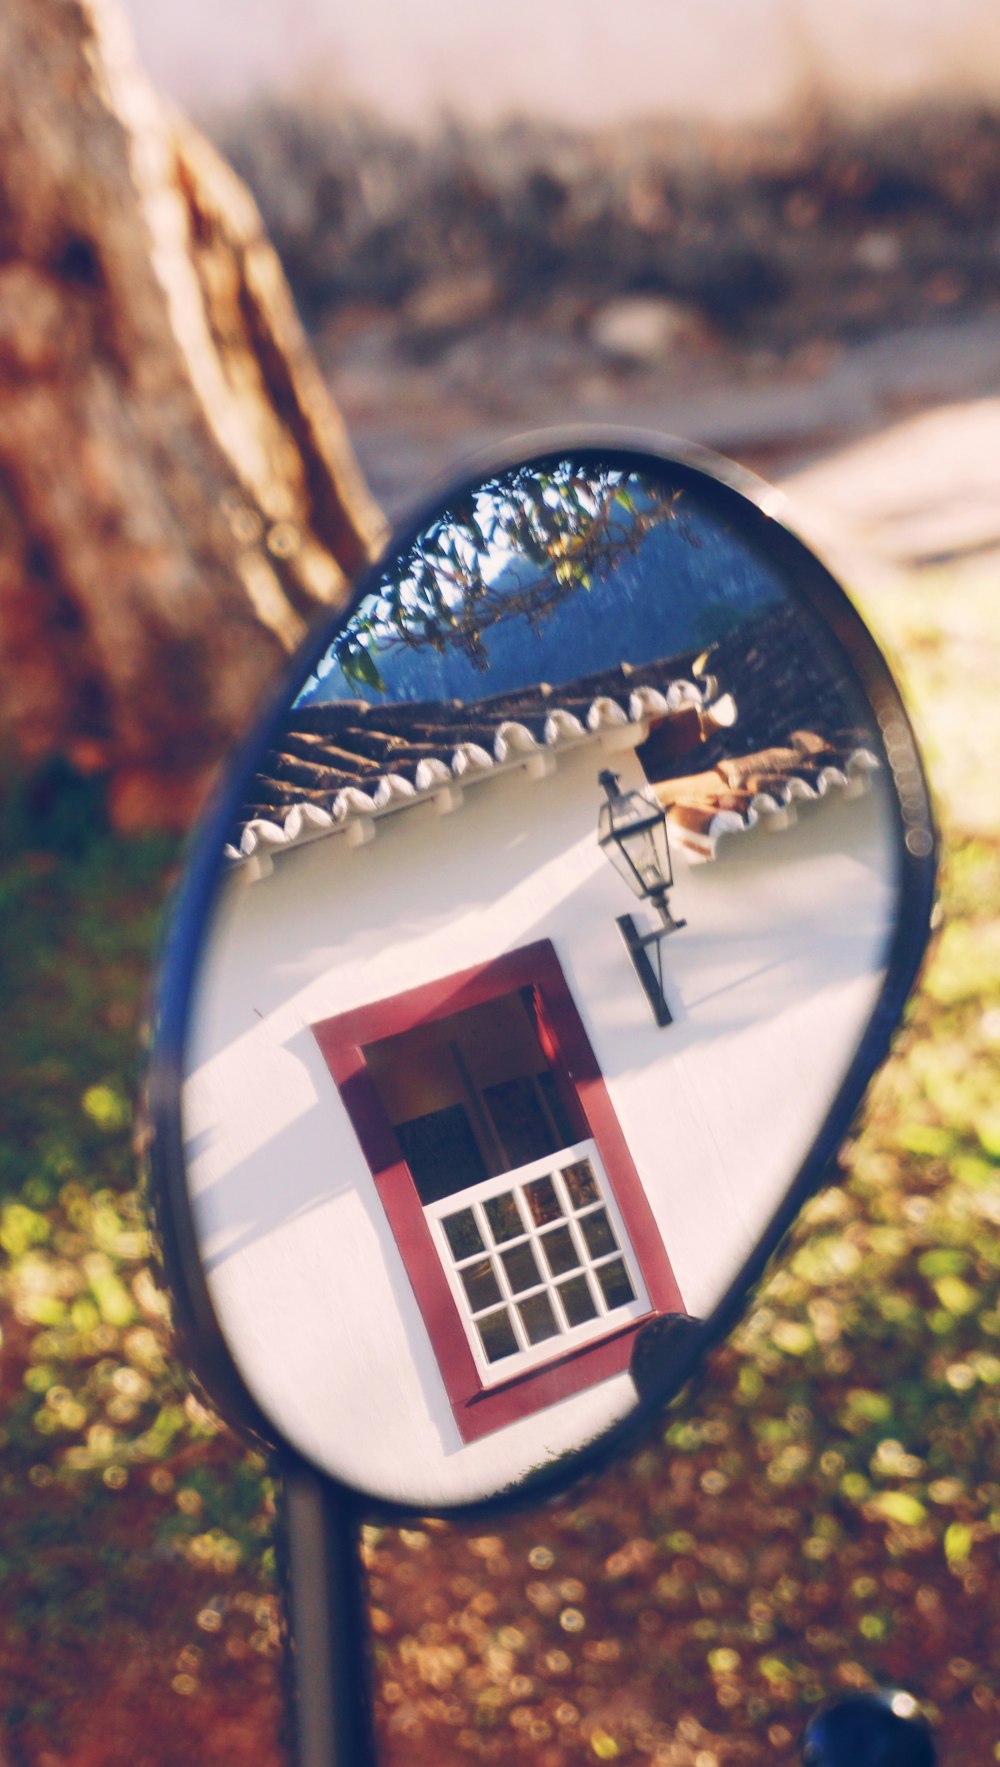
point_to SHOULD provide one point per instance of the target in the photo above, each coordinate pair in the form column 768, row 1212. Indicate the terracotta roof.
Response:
column 796, row 726
column 764, row 787
column 347, row 760
column 785, row 679
column 801, row 733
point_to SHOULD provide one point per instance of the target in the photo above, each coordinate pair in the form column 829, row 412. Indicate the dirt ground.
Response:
column 893, row 442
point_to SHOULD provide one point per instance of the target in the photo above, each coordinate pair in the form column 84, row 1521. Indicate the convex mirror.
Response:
column 528, row 971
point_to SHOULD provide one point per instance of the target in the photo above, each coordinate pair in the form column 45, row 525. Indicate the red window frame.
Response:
column 341, row 1039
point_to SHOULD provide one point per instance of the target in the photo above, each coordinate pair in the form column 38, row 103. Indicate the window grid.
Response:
column 487, row 1260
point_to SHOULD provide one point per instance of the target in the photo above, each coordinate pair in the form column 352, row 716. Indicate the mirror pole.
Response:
column 327, row 1621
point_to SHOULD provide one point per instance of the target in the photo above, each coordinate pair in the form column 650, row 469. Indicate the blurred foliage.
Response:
column 821, row 1510
column 821, row 229
column 136, row 1552
column 515, row 547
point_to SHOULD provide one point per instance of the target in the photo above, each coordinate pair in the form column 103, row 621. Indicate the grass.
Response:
column 136, row 1546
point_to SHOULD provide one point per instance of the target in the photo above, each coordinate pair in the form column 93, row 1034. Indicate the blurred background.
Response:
column 768, row 226
column 729, row 63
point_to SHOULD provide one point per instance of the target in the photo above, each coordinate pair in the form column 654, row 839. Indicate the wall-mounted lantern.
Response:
column 632, row 833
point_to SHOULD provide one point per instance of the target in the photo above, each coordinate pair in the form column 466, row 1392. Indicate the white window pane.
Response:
column 543, row 1262
column 497, row 1334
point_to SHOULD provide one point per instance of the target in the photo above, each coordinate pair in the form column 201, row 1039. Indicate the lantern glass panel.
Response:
column 632, row 832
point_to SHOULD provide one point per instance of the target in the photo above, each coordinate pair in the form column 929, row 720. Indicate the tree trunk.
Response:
column 177, row 495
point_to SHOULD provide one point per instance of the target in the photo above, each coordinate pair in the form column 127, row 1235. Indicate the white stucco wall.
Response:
column 771, row 983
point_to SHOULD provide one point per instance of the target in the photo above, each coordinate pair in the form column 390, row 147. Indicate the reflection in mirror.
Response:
column 552, row 921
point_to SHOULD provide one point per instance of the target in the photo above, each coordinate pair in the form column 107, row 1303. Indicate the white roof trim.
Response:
column 513, row 744
column 513, row 736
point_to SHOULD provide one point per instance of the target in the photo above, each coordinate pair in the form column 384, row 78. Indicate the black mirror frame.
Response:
column 733, row 492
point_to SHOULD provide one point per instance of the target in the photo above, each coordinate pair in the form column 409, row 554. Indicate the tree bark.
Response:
column 178, row 498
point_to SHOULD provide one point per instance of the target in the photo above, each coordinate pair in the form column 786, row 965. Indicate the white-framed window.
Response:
column 521, row 1221
column 538, row 1261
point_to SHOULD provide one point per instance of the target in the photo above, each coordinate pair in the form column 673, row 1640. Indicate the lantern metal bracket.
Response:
column 636, row 944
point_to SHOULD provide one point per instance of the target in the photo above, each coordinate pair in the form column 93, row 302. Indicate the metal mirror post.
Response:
column 527, row 973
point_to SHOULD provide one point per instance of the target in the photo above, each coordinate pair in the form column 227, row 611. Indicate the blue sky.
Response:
column 687, row 580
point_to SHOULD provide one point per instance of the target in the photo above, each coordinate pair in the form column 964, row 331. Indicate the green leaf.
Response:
column 955, row 1295
column 21, row 1228
column 360, row 667
column 40, row 1378
column 43, row 1309
column 106, row 1107
column 971, row 1170
column 793, row 1336
column 943, row 1261
column 989, row 1135
column 112, row 1298
column 774, row 1669
column 900, row 1506
column 864, row 1403
column 925, row 1138
column 957, row 1542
